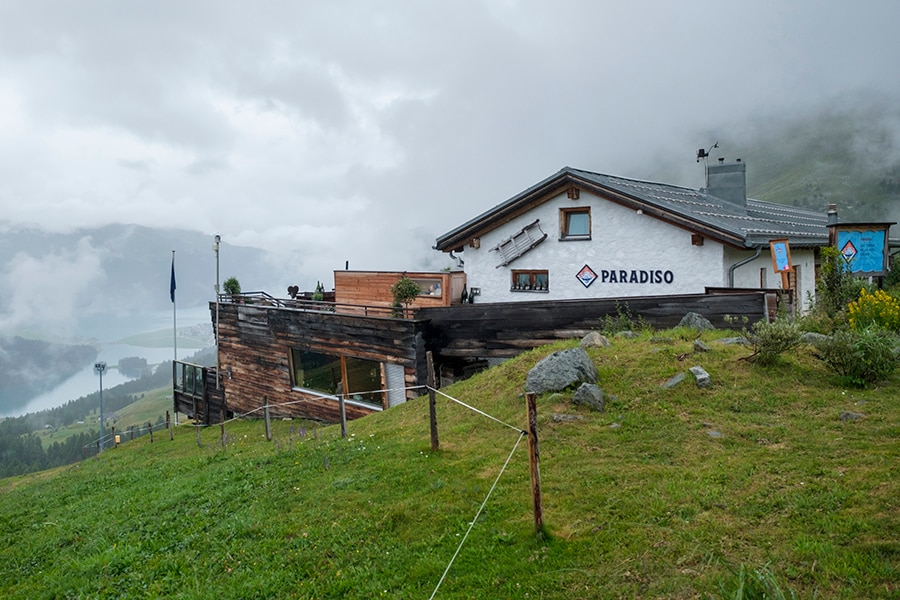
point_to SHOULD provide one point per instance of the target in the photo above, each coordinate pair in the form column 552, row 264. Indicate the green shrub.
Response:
column 771, row 339
column 861, row 357
column 892, row 279
column 836, row 286
column 623, row 320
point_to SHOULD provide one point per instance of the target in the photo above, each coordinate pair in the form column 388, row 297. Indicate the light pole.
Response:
column 216, row 248
column 100, row 369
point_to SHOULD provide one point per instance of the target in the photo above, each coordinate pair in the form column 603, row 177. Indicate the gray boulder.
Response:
column 702, row 377
column 696, row 321
column 812, row 338
column 589, row 394
column 673, row 381
column 700, row 346
column 851, row 416
column 561, row 370
column 595, row 340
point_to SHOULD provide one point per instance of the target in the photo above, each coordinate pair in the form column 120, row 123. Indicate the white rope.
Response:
column 475, row 409
column 480, row 508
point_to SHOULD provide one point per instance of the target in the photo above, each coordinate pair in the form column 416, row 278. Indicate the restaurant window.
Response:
column 530, row 281
column 324, row 373
column 429, row 286
column 575, row 223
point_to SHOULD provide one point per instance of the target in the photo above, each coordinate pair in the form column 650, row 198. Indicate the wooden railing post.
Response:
column 432, row 406
column 150, row 429
column 341, row 398
column 169, row 426
column 534, row 458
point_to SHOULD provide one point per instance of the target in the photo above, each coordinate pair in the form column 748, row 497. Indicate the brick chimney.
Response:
column 728, row 181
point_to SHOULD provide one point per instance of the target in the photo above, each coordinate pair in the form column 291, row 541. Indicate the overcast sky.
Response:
column 359, row 131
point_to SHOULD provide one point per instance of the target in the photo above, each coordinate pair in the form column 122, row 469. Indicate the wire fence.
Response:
column 113, row 439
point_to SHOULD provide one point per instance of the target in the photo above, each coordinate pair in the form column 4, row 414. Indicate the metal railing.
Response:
column 265, row 299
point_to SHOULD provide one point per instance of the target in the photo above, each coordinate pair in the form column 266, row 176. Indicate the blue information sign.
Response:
column 863, row 249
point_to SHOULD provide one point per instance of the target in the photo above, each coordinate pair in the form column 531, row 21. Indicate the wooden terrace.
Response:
column 263, row 340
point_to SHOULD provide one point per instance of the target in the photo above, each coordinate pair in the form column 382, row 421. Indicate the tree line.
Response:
column 21, row 449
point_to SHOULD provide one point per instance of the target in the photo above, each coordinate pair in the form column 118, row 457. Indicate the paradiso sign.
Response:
column 587, row 276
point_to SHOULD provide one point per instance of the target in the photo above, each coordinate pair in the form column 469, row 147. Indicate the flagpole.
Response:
column 172, row 294
column 174, row 338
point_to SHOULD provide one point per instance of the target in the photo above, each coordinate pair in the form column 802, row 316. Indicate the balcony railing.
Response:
column 264, row 299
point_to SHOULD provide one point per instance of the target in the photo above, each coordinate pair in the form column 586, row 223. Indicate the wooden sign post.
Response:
column 781, row 260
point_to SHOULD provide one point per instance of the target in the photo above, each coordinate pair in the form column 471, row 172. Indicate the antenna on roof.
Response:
column 701, row 153
column 704, row 154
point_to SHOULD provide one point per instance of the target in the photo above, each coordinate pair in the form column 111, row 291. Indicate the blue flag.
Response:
column 172, row 284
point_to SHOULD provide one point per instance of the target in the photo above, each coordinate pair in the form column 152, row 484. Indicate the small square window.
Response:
column 575, row 223
column 530, row 281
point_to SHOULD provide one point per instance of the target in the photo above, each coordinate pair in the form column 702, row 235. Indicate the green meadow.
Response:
column 759, row 486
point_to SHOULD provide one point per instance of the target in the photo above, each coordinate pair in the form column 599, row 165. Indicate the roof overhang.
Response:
column 456, row 239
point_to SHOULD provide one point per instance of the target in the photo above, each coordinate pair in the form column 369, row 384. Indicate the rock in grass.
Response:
column 702, row 377
column 561, row 370
column 595, row 340
column 696, row 321
column 851, row 416
column 673, row 381
column 590, row 395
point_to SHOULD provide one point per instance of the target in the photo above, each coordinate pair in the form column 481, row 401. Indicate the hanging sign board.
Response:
column 864, row 247
column 781, row 256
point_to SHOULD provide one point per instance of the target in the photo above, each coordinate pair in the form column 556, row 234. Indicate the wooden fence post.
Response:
column 169, row 426
column 344, row 389
column 534, row 458
column 268, row 424
column 432, row 406
column 115, row 439
column 150, row 429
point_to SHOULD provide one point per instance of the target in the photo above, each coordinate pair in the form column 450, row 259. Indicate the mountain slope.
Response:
column 665, row 494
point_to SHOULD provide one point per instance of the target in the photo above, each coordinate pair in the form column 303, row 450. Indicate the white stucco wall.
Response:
column 748, row 275
column 622, row 240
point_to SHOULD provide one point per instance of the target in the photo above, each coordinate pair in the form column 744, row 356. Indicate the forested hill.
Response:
column 21, row 450
column 31, row 367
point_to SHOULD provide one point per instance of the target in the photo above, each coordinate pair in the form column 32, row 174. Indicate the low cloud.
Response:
column 53, row 289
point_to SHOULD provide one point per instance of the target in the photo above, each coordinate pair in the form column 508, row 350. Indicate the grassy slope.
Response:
column 150, row 406
column 639, row 501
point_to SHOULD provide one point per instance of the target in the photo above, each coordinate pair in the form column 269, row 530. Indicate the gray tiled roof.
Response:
column 750, row 224
column 756, row 222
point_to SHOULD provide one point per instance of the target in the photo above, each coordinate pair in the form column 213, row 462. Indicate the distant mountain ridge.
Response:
column 849, row 157
column 30, row 367
column 55, row 280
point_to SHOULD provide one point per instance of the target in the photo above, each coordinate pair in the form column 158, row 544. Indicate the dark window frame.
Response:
column 342, row 368
column 564, row 223
column 538, row 280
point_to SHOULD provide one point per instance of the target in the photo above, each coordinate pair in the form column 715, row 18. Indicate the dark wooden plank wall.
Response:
column 255, row 346
column 503, row 330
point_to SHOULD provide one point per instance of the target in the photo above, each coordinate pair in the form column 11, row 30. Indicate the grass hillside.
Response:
column 669, row 493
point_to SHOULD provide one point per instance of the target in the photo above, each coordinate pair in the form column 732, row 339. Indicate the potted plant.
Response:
column 232, row 286
column 404, row 291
